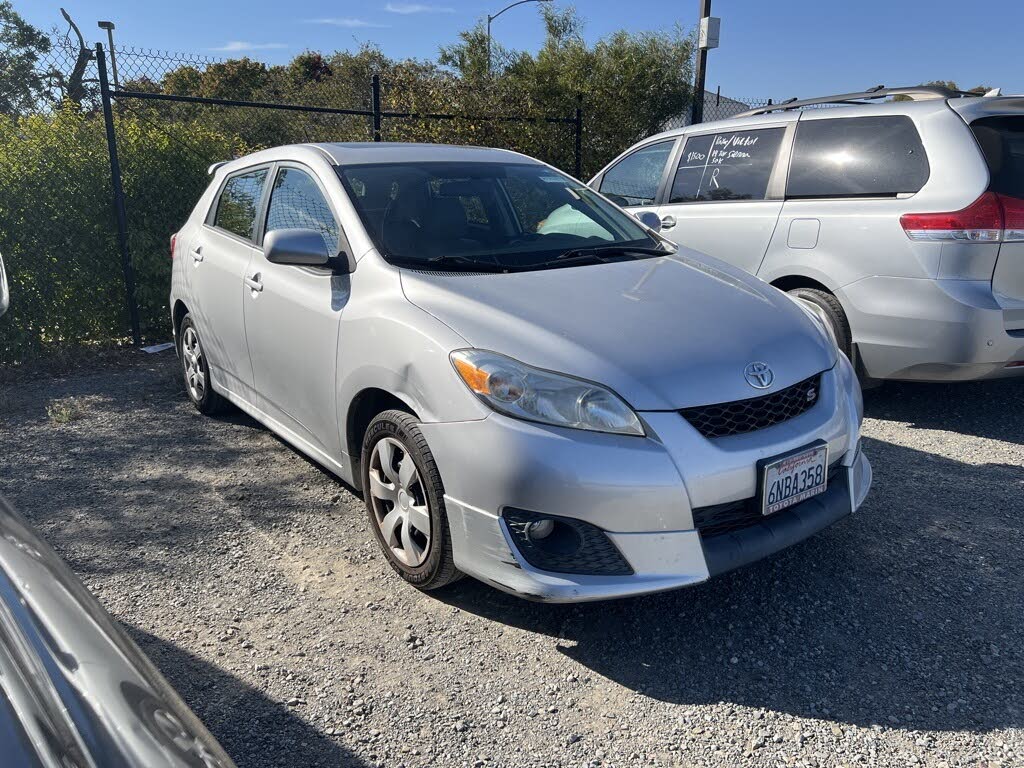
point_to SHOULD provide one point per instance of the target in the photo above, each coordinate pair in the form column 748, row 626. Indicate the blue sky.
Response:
column 778, row 49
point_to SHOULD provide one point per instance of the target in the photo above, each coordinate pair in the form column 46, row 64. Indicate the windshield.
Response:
column 488, row 215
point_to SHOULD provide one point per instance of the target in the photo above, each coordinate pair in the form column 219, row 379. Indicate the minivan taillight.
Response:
column 174, row 242
column 989, row 219
column 1013, row 219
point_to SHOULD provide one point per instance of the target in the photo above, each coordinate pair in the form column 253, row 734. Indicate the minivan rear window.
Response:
column 1002, row 142
column 857, row 157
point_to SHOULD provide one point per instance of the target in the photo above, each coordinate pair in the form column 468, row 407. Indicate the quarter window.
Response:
column 734, row 165
column 634, row 180
column 296, row 202
column 238, row 203
column 857, row 157
column 1002, row 141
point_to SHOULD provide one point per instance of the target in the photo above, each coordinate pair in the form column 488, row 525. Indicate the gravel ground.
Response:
column 249, row 576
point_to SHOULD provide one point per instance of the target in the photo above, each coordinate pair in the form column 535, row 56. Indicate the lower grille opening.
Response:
column 564, row 544
column 719, row 519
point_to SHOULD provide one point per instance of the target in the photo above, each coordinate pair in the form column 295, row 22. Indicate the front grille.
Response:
column 736, row 515
column 575, row 547
column 742, row 416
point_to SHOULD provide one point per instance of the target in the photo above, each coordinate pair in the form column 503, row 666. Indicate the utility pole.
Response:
column 707, row 39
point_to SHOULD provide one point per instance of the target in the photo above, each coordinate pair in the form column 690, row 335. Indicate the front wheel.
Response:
column 405, row 501
column 828, row 306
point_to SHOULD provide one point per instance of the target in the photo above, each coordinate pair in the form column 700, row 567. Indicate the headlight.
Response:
column 518, row 390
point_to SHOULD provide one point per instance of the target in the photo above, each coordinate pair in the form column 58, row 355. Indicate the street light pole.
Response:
column 109, row 26
column 491, row 18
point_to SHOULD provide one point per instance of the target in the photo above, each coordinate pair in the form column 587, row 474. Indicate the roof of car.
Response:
column 359, row 153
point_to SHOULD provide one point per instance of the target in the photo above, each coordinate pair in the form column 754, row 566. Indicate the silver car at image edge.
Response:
column 527, row 385
column 74, row 689
column 899, row 221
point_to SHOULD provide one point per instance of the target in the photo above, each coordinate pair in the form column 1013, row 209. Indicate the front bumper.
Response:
column 638, row 491
column 933, row 330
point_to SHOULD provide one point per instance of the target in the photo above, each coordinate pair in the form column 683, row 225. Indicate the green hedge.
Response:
column 57, row 234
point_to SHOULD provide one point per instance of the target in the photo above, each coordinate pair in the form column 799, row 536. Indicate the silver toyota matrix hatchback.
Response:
column 527, row 384
column 900, row 221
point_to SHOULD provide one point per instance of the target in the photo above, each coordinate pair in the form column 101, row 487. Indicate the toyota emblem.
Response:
column 759, row 375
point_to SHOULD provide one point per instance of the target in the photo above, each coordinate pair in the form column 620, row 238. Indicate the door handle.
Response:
column 667, row 222
column 197, row 253
column 255, row 282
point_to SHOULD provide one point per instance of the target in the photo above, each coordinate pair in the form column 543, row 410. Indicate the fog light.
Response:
column 563, row 544
column 540, row 529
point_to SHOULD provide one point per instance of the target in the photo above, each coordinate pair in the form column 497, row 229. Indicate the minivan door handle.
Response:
column 197, row 253
column 667, row 222
column 255, row 282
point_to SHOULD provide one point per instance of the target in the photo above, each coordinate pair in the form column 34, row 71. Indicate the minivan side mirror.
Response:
column 302, row 247
column 650, row 219
column 5, row 295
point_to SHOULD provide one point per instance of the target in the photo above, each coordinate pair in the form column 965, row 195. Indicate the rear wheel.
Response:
column 829, row 307
column 405, row 501
column 196, row 370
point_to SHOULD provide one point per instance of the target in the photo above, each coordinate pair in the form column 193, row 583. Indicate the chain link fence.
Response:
column 99, row 165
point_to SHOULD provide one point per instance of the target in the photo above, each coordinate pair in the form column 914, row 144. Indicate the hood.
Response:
column 663, row 333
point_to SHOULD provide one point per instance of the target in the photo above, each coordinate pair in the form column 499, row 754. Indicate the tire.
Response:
column 196, row 371
column 401, row 500
column 833, row 311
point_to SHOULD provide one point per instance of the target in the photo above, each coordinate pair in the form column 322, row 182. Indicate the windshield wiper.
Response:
column 602, row 253
column 473, row 265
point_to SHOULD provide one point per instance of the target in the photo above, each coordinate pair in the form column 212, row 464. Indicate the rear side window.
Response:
column 734, row 165
column 857, row 157
column 296, row 202
column 1002, row 142
column 634, row 180
column 239, row 202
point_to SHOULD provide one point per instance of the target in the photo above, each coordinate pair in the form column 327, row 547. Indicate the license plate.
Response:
column 795, row 477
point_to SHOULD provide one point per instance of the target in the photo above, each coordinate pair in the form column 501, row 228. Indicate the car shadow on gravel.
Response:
column 907, row 614
column 254, row 730
column 985, row 409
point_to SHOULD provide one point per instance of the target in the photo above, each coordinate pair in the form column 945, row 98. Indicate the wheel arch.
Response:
column 364, row 407
column 790, row 282
column 177, row 315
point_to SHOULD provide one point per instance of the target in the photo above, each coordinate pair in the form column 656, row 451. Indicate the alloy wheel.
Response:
column 399, row 502
column 194, row 363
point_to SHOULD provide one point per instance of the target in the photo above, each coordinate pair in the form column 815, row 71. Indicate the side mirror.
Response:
column 5, row 295
column 650, row 219
column 302, row 247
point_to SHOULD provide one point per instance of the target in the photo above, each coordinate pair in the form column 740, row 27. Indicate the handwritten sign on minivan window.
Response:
column 733, row 165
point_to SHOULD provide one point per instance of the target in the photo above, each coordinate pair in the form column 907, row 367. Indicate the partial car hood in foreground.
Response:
column 74, row 689
column 664, row 333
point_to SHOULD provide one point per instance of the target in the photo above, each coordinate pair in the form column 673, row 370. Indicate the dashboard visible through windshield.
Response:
column 493, row 216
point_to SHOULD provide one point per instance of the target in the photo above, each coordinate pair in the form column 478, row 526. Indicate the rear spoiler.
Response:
column 213, row 168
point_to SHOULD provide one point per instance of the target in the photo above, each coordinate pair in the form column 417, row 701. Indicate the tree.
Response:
column 630, row 84
column 951, row 84
column 21, row 45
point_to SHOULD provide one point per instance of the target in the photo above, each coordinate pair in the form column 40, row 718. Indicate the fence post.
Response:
column 119, row 206
column 578, row 137
column 375, row 89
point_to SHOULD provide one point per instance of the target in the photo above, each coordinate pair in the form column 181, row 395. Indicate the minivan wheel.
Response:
column 196, row 371
column 405, row 501
column 828, row 305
